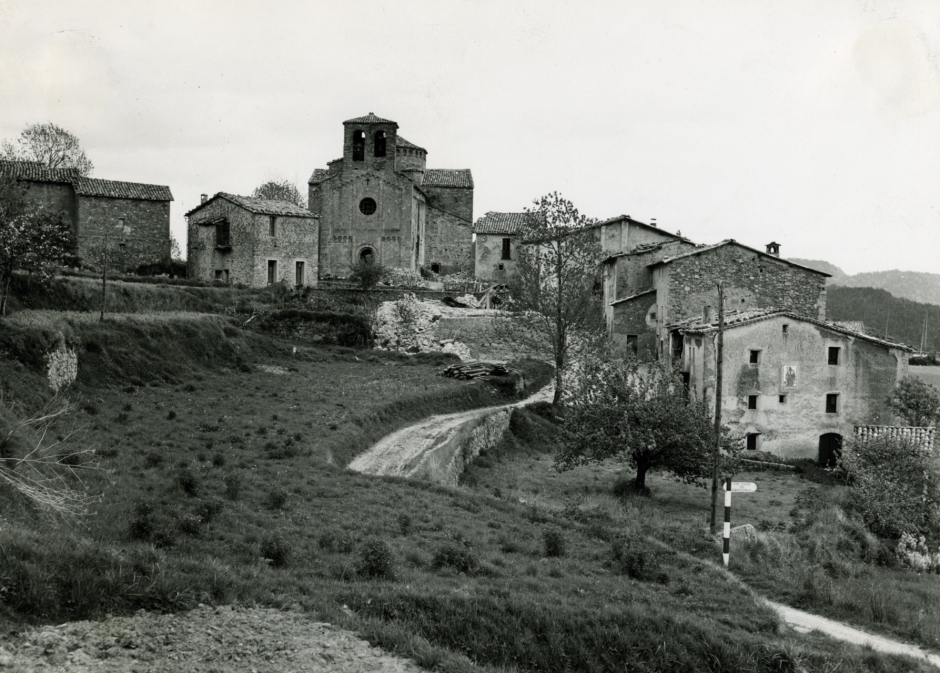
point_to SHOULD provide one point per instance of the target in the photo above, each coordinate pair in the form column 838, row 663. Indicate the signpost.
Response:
column 732, row 487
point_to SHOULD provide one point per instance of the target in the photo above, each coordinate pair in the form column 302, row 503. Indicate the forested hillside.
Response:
column 913, row 285
column 880, row 310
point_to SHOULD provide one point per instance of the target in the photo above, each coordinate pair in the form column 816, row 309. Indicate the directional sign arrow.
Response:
column 743, row 487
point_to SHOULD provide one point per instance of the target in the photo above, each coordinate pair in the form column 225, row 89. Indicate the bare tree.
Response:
column 107, row 253
column 556, row 303
column 280, row 190
column 51, row 146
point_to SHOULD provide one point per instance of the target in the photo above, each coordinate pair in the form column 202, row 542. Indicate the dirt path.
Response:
column 400, row 453
column 804, row 622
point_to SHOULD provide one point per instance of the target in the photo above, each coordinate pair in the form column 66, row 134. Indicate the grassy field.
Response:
column 218, row 477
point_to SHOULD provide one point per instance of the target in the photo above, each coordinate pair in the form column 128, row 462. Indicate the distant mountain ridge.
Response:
column 884, row 315
column 914, row 285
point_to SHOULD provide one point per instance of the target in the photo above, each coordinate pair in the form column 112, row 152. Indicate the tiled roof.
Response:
column 319, row 175
column 121, row 190
column 35, row 171
column 369, row 119
column 447, row 177
column 738, row 318
column 651, row 227
column 632, row 297
column 500, row 223
column 705, row 248
column 408, row 144
column 259, row 206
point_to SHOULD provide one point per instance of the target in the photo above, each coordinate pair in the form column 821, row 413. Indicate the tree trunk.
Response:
column 639, row 485
column 559, row 366
column 560, row 335
column 4, row 294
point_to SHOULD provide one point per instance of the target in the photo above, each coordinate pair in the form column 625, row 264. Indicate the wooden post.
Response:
column 716, row 453
column 726, row 534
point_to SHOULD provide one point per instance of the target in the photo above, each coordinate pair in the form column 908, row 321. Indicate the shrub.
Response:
column 375, row 560
column 233, row 485
column 554, row 543
column 895, row 485
column 404, row 524
column 218, row 460
column 189, row 482
column 276, row 549
column 277, row 499
column 171, row 415
column 141, row 526
column 457, row 557
column 90, row 408
column 153, row 459
column 336, row 542
column 190, row 524
column 632, row 558
column 208, row 510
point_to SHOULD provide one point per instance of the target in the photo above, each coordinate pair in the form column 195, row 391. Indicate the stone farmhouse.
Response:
column 240, row 239
column 131, row 215
column 793, row 385
column 495, row 241
column 379, row 199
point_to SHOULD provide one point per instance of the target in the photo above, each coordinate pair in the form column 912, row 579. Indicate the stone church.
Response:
column 379, row 199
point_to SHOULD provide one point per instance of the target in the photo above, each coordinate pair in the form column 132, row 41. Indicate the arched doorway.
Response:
column 830, row 446
column 367, row 255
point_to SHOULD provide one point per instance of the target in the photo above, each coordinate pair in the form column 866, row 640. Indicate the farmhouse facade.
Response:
column 255, row 242
column 495, row 245
column 380, row 200
column 133, row 218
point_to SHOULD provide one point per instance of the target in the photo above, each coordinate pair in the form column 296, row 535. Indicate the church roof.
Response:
column 319, row 175
column 500, row 223
column 369, row 119
column 410, row 145
column 121, row 190
column 259, row 206
column 35, row 171
column 447, row 177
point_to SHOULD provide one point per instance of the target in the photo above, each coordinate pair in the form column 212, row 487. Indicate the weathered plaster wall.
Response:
column 864, row 379
column 488, row 255
column 146, row 227
column 633, row 317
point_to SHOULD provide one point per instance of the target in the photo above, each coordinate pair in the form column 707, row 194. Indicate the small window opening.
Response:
column 436, row 268
column 755, row 357
column 632, row 343
column 367, row 206
column 272, row 271
column 299, row 274
column 501, row 267
column 783, row 399
column 379, row 149
column 359, row 146
column 785, row 329
column 506, row 249
column 222, row 239
column 832, row 403
column 272, row 226
column 752, row 441
column 834, row 355
column 367, row 255
column 752, row 401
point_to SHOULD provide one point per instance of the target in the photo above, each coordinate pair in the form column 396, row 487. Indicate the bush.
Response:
column 277, row 498
column 457, row 557
column 233, row 485
column 404, row 524
column 276, row 549
column 554, row 543
column 895, row 486
column 631, row 557
column 340, row 543
column 375, row 560
column 189, row 482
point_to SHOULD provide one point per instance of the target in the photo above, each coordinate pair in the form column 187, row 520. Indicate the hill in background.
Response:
column 913, row 285
column 881, row 311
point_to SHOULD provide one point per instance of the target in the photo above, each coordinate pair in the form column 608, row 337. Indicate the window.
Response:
column 834, row 355
column 299, row 274
column 832, row 403
column 501, row 266
column 755, row 357
column 785, row 330
column 367, row 206
column 752, row 401
column 222, row 239
column 632, row 343
column 783, row 399
column 272, row 226
column 506, row 249
column 752, row 441
column 436, row 268
column 379, row 146
column 221, row 275
column 359, row 146
column 272, row 271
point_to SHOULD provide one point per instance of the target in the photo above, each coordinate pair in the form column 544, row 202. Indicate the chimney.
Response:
column 773, row 249
column 203, row 198
column 707, row 315
column 653, row 222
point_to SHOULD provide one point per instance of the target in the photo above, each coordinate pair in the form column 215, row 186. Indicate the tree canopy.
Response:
column 916, row 402
column 50, row 145
column 555, row 288
column 639, row 414
column 280, row 190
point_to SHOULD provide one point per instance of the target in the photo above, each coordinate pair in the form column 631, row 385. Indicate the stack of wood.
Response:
column 473, row 370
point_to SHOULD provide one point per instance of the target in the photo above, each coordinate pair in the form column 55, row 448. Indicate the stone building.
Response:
column 662, row 284
column 380, row 199
column 495, row 241
column 256, row 242
column 792, row 385
column 131, row 215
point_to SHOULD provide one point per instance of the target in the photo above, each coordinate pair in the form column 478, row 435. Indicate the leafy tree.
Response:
column 916, row 401
column 642, row 415
column 51, row 146
column 895, row 485
column 280, row 190
column 556, row 301
column 31, row 239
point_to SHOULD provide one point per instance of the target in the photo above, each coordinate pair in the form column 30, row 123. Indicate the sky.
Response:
column 812, row 124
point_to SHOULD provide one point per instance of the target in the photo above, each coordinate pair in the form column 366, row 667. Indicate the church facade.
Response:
column 380, row 200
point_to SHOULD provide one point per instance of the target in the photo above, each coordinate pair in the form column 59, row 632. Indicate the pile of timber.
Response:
column 473, row 370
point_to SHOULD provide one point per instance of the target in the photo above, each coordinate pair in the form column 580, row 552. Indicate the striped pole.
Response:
column 726, row 543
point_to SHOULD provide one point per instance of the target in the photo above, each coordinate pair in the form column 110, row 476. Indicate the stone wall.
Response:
column 54, row 198
column 488, row 257
column 146, row 228
column 448, row 241
column 632, row 317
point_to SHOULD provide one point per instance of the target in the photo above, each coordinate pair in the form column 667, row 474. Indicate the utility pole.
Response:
column 716, row 452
